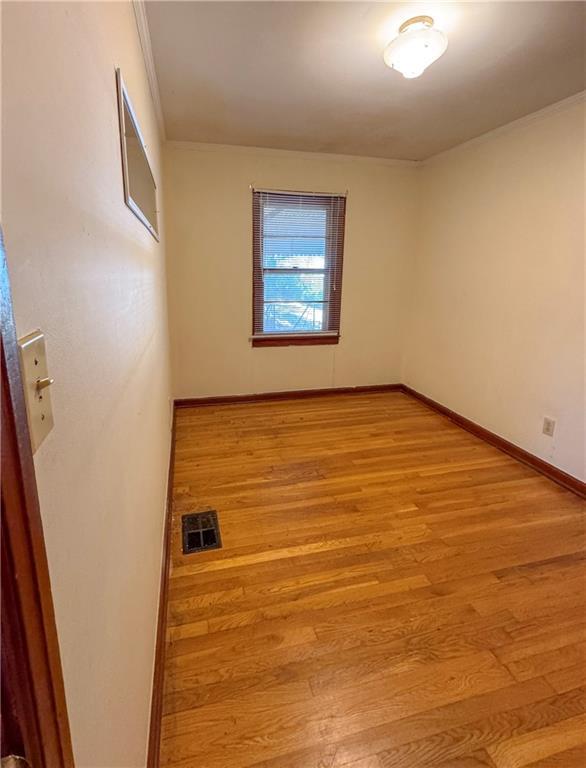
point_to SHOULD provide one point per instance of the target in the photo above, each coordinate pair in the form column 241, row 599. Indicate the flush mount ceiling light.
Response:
column 417, row 46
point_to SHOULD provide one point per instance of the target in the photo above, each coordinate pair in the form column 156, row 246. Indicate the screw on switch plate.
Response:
column 548, row 426
column 37, row 385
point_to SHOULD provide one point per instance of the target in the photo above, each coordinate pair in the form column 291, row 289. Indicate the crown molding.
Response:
column 144, row 34
column 194, row 146
column 521, row 122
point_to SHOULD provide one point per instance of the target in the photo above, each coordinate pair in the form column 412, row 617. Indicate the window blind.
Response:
column 298, row 246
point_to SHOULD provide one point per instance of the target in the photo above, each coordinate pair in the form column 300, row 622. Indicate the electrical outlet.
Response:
column 548, row 426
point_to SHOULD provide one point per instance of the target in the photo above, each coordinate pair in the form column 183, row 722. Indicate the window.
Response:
column 298, row 243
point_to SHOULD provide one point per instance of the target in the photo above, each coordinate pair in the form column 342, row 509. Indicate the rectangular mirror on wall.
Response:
column 140, row 190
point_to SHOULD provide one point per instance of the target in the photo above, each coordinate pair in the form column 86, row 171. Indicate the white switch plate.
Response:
column 33, row 366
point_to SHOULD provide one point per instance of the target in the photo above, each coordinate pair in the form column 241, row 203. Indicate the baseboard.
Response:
column 560, row 477
column 160, row 642
column 191, row 402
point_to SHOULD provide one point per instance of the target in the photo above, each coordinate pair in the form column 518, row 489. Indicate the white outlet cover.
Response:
column 548, row 426
column 33, row 366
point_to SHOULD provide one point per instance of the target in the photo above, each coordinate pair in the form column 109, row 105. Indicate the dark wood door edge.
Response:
column 293, row 394
column 40, row 673
column 560, row 477
column 154, row 743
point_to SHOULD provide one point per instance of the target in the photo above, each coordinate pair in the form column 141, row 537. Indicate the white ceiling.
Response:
column 310, row 75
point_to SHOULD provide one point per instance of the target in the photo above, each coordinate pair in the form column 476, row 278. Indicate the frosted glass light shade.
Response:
column 415, row 49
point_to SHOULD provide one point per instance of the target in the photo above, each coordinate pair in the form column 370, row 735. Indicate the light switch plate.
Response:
column 33, row 366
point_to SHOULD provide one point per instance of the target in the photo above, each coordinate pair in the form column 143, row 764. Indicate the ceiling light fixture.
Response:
column 417, row 46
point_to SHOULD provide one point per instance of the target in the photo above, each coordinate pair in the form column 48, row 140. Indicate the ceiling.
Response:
column 310, row 75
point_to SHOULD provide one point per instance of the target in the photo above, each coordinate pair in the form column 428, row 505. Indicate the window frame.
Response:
column 335, row 230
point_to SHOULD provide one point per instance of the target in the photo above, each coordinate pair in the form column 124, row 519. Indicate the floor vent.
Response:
column 200, row 531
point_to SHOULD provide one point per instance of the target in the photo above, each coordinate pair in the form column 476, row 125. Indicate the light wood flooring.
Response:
column 392, row 593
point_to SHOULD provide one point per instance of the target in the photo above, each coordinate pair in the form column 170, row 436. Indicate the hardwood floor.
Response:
column 392, row 593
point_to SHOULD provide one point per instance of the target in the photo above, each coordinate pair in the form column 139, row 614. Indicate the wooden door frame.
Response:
column 29, row 630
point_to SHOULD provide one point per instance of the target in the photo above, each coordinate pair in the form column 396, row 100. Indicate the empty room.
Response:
column 293, row 384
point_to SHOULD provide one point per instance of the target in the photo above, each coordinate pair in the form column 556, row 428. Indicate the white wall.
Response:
column 209, row 224
column 496, row 322
column 87, row 272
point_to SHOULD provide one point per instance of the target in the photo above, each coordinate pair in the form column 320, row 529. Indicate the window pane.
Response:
column 294, row 287
column 297, row 249
column 294, row 252
column 293, row 317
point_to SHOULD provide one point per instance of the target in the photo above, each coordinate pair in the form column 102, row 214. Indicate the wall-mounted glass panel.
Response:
column 140, row 191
